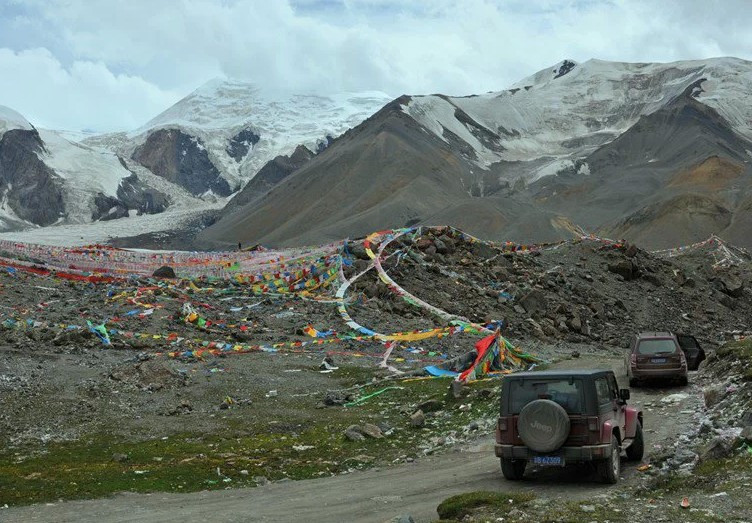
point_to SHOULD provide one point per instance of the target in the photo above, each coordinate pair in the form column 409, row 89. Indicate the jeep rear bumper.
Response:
column 584, row 453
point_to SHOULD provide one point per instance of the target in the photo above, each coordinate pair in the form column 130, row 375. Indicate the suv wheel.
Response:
column 611, row 467
column 513, row 469
column 637, row 449
column 632, row 382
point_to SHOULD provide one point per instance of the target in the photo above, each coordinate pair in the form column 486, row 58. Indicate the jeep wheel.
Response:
column 637, row 449
column 513, row 469
column 632, row 382
column 611, row 467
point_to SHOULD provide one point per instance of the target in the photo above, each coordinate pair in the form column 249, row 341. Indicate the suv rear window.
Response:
column 566, row 392
column 656, row 346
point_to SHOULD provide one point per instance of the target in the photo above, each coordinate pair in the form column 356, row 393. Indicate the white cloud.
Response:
column 84, row 95
column 118, row 63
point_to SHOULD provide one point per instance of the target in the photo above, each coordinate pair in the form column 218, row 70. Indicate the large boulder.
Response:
column 745, row 420
column 719, row 448
column 359, row 433
column 164, row 271
column 430, row 406
column 353, row 433
column 624, row 268
column 732, row 285
column 534, row 301
column 713, row 395
column 483, row 250
column 418, row 419
column 441, row 246
column 371, row 431
column 358, row 251
column 630, row 250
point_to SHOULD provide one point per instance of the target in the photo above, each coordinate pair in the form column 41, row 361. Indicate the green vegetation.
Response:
column 743, row 351
column 711, row 475
column 282, row 437
column 576, row 512
column 457, row 507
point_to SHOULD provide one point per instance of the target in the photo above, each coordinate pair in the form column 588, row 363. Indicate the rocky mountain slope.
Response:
column 195, row 154
column 46, row 179
column 610, row 147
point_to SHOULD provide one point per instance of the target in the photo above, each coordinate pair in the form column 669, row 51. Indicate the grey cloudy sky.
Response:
column 110, row 64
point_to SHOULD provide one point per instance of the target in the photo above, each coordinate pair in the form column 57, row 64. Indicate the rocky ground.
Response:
column 79, row 418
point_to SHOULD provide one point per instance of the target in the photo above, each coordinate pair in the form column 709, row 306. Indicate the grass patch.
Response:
column 351, row 375
column 283, row 437
column 576, row 512
column 457, row 507
column 710, row 475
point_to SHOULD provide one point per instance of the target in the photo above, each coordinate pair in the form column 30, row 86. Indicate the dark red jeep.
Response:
column 552, row 418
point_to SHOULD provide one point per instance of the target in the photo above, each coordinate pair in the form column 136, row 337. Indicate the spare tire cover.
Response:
column 543, row 425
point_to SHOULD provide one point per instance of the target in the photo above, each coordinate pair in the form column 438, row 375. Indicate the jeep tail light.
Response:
column 502, row 424
column 633, row 359
column 592, row 424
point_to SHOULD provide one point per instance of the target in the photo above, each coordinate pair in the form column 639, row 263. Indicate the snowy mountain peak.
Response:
column 242, row 126
column 217, row 104
column 233, row 104
column 548, row 74
column 566, row 111
column 10, row 119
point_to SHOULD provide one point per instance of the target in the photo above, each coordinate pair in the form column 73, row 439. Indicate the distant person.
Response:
column 240, row 248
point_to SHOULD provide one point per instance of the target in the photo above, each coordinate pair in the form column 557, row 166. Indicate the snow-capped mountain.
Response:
column 567, row 111
column 194, row 155
column 46, row 179
column 239, row 127
column 657, row 152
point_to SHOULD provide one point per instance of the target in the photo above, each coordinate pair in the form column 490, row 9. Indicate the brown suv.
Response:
column 656, row 356
column 552, row 418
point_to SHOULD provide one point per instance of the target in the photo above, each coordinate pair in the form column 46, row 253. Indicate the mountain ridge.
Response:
column 505, row 155
column 575, row 145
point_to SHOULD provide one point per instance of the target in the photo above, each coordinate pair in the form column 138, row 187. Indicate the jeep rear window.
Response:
column 565, row 391
column 656, row 346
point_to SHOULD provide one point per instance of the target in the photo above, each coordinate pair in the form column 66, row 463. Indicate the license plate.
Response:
column 548, row 461
column 658, row 360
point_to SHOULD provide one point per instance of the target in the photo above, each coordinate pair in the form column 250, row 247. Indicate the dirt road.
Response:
column 377, row 495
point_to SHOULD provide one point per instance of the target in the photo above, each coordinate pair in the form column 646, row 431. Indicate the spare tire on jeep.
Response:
column 543, row 425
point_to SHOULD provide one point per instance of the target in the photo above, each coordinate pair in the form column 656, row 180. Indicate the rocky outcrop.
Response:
column 239, row 145
column 181, row 159
column 132, row 194
column 136, row 195
column 324, row 143
column 28, row 186
column 108, row 208
column 270, row 175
